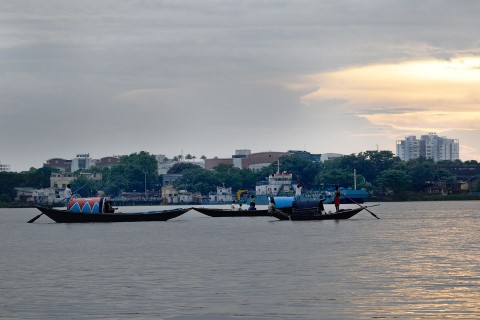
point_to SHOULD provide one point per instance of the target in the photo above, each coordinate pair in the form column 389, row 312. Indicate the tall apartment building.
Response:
column 429, row 146
column 4, row 167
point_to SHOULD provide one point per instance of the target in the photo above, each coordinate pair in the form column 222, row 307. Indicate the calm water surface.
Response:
column 420, row 260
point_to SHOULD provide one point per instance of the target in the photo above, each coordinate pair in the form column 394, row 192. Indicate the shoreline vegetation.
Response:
column 424, row 197
column 382, row 174
column 398, row 198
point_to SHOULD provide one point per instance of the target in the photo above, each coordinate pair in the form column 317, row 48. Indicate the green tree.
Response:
column 8, row 182
column 422, row 173
column 372, row 163
column 396, row 180
column 84, row 187
column 39, row 178
column 133, row 172
column 197, row 180
column 301, row 167
column 180, row 167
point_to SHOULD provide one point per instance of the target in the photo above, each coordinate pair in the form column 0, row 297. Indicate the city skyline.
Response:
column 108, row 77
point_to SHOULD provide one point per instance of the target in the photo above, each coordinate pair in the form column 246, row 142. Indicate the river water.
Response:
column 421, row 260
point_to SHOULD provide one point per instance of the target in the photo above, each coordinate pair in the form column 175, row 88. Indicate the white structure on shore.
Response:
column 4, row 167
column 428, row 146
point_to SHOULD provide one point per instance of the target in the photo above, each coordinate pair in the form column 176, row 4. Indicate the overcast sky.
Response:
column 208, row 77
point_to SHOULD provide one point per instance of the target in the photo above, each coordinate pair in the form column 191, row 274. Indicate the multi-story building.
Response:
column 245, row 159
column 60, row 180
column 81, row 161
column 4, row 167
column 107, row 162
column 58, row 163
column 428, row 146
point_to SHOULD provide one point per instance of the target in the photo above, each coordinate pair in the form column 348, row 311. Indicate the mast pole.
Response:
column 355, row 179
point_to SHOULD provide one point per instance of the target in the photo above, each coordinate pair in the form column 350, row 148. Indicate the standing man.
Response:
column 68, row 194
column 336, row 200
column 298, row 191
column 252, row 203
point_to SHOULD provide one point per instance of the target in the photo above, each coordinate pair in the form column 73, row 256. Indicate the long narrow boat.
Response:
column 83, row 210
column 223, row 213
column 305, row 214
column 64, row 216
column 283, row 203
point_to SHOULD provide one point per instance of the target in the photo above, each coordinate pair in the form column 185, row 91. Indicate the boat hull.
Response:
column 226, row 213
column 307, row 214
column 64, row 216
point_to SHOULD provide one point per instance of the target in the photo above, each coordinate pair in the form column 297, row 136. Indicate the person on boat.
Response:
column 321, row 208
column 68, row 194
column 109, row 207
column 234, row 207
column 336, row 200
column 271, row 204
column 240, row 207
column 252, row 203
column 298, row 191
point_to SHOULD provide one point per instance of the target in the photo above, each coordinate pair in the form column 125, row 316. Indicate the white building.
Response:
column 328, row 156
column 61, row 179
column 170, row 195
column 4, row 167
column 222, row 195
column 428, row 146
column 38, row 196
column 82, row 161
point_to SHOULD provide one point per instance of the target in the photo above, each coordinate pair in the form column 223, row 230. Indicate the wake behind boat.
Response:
column 84, row 210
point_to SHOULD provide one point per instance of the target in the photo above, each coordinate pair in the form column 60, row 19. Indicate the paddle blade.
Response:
column 34, row 219
column 373, row 214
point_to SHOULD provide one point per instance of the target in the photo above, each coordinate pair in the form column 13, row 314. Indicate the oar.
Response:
column 373, row 214
column 35, row 218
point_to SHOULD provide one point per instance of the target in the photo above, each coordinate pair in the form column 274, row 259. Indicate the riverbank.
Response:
column 399, row 198
column 425, row 197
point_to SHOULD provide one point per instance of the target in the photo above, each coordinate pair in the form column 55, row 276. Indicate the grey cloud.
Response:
column 219, row 66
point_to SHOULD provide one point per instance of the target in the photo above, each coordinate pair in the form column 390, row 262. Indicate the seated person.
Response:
column 321, row 208
column 271, row 205
column 109, row 207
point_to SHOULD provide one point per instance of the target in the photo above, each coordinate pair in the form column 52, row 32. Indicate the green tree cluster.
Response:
column 34, row 178
column 380, row 172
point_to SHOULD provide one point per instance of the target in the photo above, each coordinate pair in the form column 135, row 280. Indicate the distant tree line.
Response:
column 384, row 175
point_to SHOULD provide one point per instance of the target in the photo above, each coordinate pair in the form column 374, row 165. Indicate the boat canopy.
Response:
column 86, row 205
column 283, row 202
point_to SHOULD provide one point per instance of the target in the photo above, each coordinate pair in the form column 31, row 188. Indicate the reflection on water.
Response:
column 420, row 260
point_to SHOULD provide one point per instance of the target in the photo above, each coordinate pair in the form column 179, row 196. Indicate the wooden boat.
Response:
column 217, row 213
column 304, row 214
column 64, row 216
column 285, row 203
column 82, row 210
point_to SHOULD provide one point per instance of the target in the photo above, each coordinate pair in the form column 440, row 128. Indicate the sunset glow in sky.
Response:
column 419, row 96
